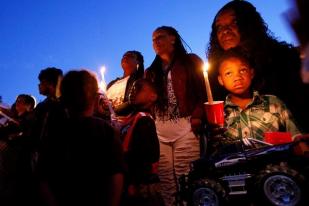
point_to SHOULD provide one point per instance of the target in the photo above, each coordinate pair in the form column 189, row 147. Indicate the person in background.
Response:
column 24, row 103
column 179, row 114
column 117, row 91
column 249, row 114
column 277, row 64
column 49, row 86
column 21, row 113
column 16, row 179
column 83, row 164
column 141, row 146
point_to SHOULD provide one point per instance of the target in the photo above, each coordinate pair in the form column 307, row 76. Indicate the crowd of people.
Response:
column 67, row 150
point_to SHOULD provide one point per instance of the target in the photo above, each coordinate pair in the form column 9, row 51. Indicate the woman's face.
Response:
column 227, row 30
column 129, row 63
column 162, row 42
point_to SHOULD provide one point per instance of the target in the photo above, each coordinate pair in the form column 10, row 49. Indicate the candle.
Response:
column 102, row 86
column 102, row 83
column 208, row 89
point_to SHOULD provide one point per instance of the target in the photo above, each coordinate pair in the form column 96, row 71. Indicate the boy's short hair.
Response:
column 236, row 52
column 51, row 75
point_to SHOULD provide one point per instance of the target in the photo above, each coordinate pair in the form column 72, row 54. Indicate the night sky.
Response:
column 75, row 34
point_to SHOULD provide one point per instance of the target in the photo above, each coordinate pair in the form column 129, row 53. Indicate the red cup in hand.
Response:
column 215, row 113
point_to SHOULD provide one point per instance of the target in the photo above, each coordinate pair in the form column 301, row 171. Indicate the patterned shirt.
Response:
column 171, row 126
column 265, row 113
column 172, row 105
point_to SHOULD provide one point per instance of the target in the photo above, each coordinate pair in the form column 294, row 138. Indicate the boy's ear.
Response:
column 220, row 80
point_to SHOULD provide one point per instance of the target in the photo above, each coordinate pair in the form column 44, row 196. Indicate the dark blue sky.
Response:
column 74, row 34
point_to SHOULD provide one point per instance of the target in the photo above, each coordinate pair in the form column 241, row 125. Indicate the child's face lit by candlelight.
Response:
column 235, row 75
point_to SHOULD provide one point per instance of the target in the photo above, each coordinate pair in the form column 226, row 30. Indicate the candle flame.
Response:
column 206, row 66
column 102, row 83
column 208, row 89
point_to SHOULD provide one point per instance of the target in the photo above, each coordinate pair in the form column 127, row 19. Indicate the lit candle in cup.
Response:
column 208, row 89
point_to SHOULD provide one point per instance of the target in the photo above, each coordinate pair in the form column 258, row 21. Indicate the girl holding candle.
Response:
column 117, row 91
column 179, row 110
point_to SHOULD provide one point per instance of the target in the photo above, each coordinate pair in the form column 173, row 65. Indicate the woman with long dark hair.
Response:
column 178, row 78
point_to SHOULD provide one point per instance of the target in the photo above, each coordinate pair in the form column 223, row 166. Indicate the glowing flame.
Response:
column 206, row 66
column 102, row 83
column 208, row 89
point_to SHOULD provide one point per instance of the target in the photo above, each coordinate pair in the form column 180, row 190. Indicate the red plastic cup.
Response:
column 215, row 113
column 277, row 137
